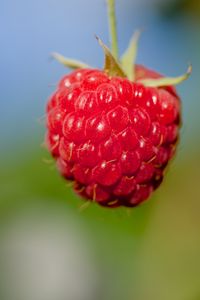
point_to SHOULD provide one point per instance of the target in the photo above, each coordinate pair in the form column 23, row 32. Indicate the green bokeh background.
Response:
column 151, row 252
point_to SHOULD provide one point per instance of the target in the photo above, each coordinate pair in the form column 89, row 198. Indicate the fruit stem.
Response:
column 113, row 27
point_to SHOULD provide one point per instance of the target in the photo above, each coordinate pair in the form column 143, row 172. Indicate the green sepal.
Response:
column 129, row 57
column 111, row 65
column 69, row 63
column 166, row 81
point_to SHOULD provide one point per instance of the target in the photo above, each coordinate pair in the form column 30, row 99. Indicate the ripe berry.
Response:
column 113, row 131
column 112, row 140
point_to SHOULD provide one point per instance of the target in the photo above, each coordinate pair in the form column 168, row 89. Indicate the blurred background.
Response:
column 49, row 249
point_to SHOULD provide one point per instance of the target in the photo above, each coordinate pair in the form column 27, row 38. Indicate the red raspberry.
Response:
column 113, row 131
column 111, row 136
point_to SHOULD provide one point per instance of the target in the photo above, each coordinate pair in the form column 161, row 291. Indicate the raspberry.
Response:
column 113, row 131
column 112, row 139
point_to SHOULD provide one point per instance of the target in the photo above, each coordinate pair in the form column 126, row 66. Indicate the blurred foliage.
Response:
column 177, row 7
column 33, row 181
column 151, row 252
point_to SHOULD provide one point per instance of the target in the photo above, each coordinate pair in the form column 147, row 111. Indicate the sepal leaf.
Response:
column 166, row 81
column 69, row 63
column 111, row 65
column 129, row 57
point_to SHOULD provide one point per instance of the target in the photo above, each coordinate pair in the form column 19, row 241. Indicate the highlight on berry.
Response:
column 112, row 132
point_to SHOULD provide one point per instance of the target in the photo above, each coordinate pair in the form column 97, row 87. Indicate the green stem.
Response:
column 113, row 27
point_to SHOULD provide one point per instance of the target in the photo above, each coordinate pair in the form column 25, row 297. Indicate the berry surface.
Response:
column 112, row 137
